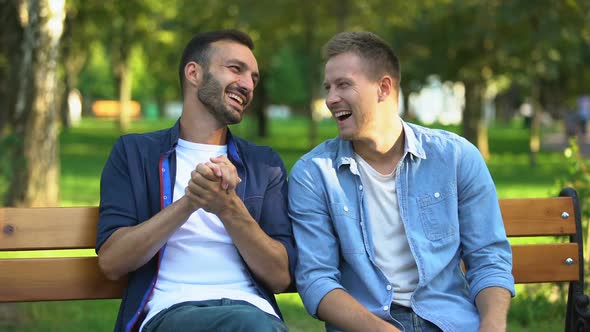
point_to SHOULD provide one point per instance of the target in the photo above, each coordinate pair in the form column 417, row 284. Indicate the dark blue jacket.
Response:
column 135, row 185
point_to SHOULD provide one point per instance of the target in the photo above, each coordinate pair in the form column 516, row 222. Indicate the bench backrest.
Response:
column 57, row 278
column 69, row 278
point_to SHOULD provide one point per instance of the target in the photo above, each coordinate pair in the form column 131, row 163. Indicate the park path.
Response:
column 558, row 142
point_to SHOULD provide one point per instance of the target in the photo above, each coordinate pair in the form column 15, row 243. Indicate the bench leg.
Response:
column 578, row 315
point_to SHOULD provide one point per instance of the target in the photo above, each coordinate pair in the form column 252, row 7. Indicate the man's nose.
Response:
column 246, row 83
column 331, row 98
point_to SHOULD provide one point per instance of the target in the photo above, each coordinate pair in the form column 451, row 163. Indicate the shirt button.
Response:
column 388, row 287
column 436, row 194
column 361, row 187
column 163, row 170
column 385, row 308
column 165, row 197
column 346, row 208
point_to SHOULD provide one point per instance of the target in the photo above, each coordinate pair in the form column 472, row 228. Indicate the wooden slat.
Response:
column 48, row 228
column 538, row 216
column 50, row 279
column 545, row 262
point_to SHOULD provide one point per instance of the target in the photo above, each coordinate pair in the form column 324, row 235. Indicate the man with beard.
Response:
column 384, row 214
column 195, row 217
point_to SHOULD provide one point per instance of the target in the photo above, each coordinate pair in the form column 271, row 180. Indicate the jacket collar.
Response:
column 232, row 148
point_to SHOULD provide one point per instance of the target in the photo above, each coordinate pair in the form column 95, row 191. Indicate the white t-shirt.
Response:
column 200, row 261
column 392, row 251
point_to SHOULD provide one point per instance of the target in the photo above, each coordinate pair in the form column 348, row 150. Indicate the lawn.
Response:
column 84, row 150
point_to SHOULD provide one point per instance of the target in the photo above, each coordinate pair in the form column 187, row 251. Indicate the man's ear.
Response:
column 386, row 87
column 193, row 73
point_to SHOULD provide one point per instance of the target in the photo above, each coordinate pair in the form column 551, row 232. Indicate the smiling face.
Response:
column 228, row 83
column 352, row 96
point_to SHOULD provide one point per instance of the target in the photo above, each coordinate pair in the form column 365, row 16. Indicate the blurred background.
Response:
column 513, row 77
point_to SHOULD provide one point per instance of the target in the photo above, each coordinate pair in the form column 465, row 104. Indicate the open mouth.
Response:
column 342, row 115
column 238, row 99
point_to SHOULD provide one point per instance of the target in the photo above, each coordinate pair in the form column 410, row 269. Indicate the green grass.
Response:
column 84, row 150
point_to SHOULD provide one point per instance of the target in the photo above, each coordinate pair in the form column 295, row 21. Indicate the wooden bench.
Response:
column 76, row 278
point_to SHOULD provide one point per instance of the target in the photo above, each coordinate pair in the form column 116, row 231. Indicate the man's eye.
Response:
column 234, row 68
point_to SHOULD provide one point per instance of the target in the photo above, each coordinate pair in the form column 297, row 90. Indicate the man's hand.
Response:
column 224, row 169
column 212, row 185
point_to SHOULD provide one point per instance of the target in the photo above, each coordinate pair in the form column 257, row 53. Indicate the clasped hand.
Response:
column 212, row 184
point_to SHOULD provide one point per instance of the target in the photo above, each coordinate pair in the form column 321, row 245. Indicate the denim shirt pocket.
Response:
column 438, row 212
column 347, row 227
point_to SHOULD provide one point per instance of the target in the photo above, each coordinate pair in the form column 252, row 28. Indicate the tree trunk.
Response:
column 36, row 161
column 405, row 96
column 342, row 9
column 11, row 34
column 473, row 128
column 10, row 37
column 482, row 140
column 72, row 62
column 125, row 87
column 66, row 42
column 535, row 130
column 310, row 20
column 161, row 102
column 259, row 105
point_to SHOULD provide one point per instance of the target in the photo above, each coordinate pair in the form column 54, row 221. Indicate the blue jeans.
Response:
column 214, row 315
column 410, row 321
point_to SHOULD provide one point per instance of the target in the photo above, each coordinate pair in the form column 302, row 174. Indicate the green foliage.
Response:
column 577, row 176
column 96, row 79
column 537, row 307
column 286, row 86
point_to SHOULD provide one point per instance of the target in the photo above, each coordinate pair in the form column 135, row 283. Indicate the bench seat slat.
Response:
column 48, row 228
column 545, row 262
column 48, row 279
column 538, row 216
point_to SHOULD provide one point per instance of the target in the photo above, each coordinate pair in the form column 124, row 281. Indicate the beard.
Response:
column 211, row 95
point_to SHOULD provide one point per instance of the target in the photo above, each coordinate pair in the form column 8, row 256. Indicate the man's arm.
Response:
column 492, row 304
column 344, row 312
column 488, row 259
column 129, row 248
column 132, row 245
column 267, row 258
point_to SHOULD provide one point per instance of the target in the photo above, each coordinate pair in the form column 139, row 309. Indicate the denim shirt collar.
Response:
column 413, row 146
column 233, row 153
column 345, row 153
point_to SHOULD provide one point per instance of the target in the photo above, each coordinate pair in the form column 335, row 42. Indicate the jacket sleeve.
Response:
column 274, row 219
column 117, row 208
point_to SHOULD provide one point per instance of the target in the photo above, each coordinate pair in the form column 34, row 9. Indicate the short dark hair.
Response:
column 198, row 48
column 376, row 53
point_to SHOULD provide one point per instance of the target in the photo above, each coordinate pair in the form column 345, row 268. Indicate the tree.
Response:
column 35, row 157
column 455, row 40
column 545, row 44
column 10, row 36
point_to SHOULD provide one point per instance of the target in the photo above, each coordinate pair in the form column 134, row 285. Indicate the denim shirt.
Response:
column 449, row 207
